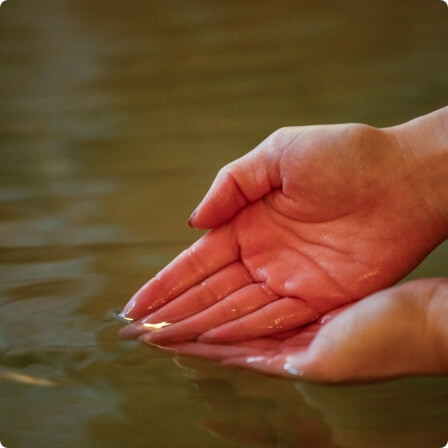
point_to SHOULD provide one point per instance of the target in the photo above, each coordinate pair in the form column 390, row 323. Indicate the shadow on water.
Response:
column 114, row 119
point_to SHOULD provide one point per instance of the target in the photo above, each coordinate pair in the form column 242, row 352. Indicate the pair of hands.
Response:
column 303, row 227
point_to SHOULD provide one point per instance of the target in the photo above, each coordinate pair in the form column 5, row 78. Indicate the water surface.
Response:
column 114, row 118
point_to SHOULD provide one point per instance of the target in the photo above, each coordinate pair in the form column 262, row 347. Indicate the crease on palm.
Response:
column 292, row 242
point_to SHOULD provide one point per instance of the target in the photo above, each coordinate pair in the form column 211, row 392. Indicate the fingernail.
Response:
column 191, row 218
column 122, row 316
column 127, row 309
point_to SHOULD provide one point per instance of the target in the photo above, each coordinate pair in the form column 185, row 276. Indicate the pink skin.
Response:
column 311, row 220
column 397, row 331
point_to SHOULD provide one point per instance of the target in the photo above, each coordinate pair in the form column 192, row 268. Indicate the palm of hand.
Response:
column 317, row 240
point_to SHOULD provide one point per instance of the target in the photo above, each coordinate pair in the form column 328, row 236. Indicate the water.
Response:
column 114, row 118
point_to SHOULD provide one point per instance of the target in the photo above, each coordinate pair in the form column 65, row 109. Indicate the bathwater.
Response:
column 114, row 118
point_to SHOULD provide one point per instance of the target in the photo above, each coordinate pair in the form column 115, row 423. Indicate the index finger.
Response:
column 212, row 252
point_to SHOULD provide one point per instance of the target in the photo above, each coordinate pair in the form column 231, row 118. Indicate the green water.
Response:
column 114, row 118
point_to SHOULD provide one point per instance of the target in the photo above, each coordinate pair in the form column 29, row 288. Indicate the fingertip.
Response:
column 206, row 218
column 131, row 331
column 260, row 363
column 295, row 364
column 222, row 334
column 127, row 312
column 206, row 338
column 144, row 300
column 146, row 338
column 292, row 366
column 137, row 308
column 191, row 219
column 245, row 361
column 222, row 202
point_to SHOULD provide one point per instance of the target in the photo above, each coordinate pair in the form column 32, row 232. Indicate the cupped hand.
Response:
column 314, row 218
column 397, row 331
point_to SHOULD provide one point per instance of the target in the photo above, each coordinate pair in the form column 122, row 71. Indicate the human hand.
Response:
column 312, row 219
column 397, row 331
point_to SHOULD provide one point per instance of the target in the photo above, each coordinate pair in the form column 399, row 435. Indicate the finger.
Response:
column 212, row 252
column 243, row 181
column 240, row 303
column 212, row 351
column 302, row 337
column 279, row 316
column 284, row 364
column 199, row 297
column 203, row 295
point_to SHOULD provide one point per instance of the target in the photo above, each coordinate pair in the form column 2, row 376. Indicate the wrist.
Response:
column 424, row 147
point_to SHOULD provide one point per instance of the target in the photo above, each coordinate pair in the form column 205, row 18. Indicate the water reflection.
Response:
column 18, row 377
column 267, row 412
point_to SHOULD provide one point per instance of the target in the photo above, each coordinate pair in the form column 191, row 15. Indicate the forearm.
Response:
column 424, row 141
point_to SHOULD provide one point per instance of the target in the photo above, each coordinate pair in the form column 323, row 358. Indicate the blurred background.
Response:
column 114, row 118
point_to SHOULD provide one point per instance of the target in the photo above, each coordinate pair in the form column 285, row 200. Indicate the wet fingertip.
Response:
column 295, row 365
column 252, row 360
column 149, row 332
column 126, row 312
column 118, row 314
column 123, row 333
column 204, row 338
column 292, row 370
column 131, row 331
column 245, row 361
column 146, row 339
column 123, row 317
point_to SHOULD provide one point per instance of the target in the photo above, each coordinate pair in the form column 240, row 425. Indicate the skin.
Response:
column 313, row 219
column 355, row 343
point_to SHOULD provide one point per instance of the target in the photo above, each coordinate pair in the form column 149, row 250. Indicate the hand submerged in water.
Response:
column 397, row 331
column 314, row 218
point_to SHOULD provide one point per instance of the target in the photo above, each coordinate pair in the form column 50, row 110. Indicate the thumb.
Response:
column 237, row 184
